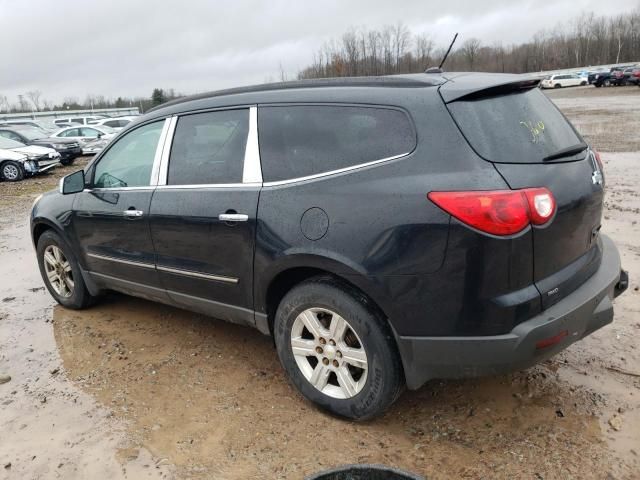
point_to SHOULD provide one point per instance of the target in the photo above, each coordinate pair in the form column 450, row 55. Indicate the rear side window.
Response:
column 522, row 127
column 208, row 148
column 298, row 141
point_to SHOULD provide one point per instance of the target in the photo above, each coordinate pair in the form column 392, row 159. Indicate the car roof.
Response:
column 377, row 89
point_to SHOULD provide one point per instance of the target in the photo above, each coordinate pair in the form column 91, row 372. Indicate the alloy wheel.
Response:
column 58, row 270
column 329, row 353
column 10, row 172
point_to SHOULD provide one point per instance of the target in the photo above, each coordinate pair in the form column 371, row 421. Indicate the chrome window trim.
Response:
column 189, row 273
column 120, row 260
column 252, row 171
column 209, row 185
column 163, row 171
column 117, row 189
column 334, row 172
column 155, row 168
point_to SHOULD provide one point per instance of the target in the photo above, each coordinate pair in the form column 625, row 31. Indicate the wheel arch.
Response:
column 274, row 285
column 39, row 226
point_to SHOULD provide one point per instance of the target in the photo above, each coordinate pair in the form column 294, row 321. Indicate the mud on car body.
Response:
column 385, row 231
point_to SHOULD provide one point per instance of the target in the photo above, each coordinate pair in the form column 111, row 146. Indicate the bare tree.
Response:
column 34, row 96
column 470, row 49
column 401, row 38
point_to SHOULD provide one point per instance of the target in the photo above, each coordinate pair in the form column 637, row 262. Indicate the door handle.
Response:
column 133, row 213
column 233, row 217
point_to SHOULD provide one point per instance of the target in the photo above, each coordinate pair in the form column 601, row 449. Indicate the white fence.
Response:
column 111, row 112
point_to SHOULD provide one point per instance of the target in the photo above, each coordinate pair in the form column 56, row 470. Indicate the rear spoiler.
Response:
column 470, row 86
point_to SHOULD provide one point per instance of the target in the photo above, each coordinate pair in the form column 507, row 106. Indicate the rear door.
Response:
column 525, row 135
column 203, row 219
column 111, row 218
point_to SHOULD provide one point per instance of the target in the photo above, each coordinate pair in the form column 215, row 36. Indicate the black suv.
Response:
column 68, row 149
column 386, row 231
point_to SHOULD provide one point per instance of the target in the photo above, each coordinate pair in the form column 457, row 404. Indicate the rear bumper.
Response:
column 582, row 312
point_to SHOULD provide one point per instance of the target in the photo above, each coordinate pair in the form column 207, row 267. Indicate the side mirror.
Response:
column 72, row 183
column 99, row 135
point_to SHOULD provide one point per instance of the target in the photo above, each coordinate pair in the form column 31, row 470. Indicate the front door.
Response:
column 111, row 218
column 203, row 221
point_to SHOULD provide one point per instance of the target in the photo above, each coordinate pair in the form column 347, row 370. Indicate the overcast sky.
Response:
column 128, row 47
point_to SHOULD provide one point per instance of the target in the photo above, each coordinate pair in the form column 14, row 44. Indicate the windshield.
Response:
column 32, row 133
column 523, row 127
column 8, row 143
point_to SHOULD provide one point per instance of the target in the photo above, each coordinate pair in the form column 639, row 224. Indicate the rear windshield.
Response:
column 522, row 127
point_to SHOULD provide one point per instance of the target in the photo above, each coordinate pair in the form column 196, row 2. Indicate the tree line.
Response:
column 587, row 39
column 34, row 101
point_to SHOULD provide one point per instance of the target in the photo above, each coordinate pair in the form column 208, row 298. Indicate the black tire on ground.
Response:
column 67, row 161
column 557, row 85
column 583, row 83
column 80, row 297
column 12, row 171
column 385, row 378
column 598, row 85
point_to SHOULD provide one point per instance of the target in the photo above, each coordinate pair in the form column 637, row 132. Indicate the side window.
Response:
column 88, row 132
column 298, row 141
column 209, row 148
column 128, row 162
column 72, row 132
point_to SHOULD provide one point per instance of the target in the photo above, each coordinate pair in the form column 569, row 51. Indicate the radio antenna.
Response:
column 444, row 59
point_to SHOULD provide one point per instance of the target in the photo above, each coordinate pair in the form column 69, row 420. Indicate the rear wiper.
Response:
column 567, row 152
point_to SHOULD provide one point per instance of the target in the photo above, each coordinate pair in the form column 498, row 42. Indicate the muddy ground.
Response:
column 132, row 389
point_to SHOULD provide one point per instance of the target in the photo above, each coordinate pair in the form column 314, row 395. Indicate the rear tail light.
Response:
column 498, row 212
column 596, row 154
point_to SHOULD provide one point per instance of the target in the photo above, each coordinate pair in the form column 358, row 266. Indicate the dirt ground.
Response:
column 132, row 389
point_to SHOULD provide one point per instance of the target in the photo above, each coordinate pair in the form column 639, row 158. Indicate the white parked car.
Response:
column 83, row 120
column 18, row 160
column 563, row 80
column 116, row 123
column 86, row 134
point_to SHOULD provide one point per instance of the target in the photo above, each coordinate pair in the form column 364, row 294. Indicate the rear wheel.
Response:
column 12, row 171
column 67, row 161
column 583, row 83
column 557, row 85
column 61, row 272
column 607, row 83
column 337, row 350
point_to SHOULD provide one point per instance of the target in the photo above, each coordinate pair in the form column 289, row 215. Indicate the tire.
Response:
column 12, row 171
column 557, row 85
column 582, row 84
column 75, row 296
column 361, row 393
column 607, row 83
column 67, row 161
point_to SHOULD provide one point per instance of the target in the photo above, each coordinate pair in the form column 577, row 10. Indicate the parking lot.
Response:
column 134, row 389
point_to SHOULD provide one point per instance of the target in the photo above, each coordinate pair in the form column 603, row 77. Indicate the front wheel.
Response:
column 12, row 171
column 607, row 83
column 337, row 350
column 61, row 272
column 67, row 161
